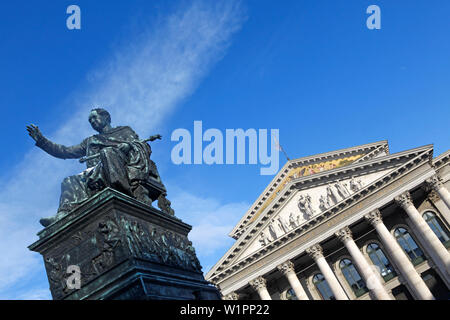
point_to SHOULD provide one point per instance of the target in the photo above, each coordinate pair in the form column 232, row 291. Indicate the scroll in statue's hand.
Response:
column 34, row 132
column 156, row 136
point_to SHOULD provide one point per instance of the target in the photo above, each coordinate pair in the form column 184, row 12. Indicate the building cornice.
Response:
column 441, row 160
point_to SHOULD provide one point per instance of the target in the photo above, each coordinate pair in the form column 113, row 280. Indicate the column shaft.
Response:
column 435, row 183
column 296, row 286
column 444, row 195
column 264, row 294
column 407, row 270
column 287, row 269
column 436, row 249
column 366, row 271
column 332, row 281
column 259, row 284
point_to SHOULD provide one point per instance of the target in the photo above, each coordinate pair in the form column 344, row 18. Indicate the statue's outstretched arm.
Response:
column 54, row 149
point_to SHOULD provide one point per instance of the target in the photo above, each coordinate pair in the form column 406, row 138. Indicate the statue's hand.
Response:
column 35, row 133
column 156, row 136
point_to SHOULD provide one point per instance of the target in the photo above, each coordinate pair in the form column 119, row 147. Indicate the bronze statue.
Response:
column 115, row 158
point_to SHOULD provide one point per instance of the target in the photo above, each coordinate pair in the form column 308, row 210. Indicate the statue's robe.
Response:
column 112, row 168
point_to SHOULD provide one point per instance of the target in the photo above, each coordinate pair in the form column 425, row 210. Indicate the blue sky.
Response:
column 311, row 69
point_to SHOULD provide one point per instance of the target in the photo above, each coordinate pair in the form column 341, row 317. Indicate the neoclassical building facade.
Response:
column 358, row 223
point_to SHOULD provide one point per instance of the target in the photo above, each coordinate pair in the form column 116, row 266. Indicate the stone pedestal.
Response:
column 123, row 249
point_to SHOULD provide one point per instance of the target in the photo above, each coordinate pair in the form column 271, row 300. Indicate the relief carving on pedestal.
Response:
column 160, row 245
column 107, row 239
column 94, row 252
column 100, row 249
column 56, row 271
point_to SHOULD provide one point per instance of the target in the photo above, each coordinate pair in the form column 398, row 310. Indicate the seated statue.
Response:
column 115, row 158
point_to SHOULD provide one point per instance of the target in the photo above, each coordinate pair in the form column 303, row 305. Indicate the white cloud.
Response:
column 141, row 85
column 211, row 223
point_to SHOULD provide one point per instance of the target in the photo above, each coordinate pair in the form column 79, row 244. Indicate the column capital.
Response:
column 315, row 251
column 374, row 217
column 344, row 234
column 258, row 283
column 434, row 182
column 231, row 296
column 433, row 196
column 286, row 267
column 404, row 200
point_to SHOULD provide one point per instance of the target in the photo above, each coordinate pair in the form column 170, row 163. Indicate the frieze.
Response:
column 93, row 251
column 159, row 245
column 104, row 244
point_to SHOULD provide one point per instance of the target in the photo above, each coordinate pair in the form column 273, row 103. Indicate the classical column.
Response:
column 366, row 270
column 434, row 198
column 259, row 284
column 406, row 268
column 437, row 250
column 435, row 183
column 287, row 269
column 231, row 296
column 316, row 253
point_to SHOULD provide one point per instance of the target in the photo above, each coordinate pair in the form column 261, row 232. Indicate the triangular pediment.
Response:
column 304, row 205
column 308, row 167
column 305, row 198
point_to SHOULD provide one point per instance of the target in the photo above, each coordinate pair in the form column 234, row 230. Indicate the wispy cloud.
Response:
column 141, row 84
column 211, row 222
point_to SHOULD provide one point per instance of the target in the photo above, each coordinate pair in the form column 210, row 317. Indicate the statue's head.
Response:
column 99, row 118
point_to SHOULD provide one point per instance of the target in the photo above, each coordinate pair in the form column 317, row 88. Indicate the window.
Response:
column 352, row 276
column 409, row 245
column 323, row 287
column 290, row 295
column 379, row 259
column 437, row 227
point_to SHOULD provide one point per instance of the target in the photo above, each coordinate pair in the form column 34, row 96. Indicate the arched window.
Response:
column 409, row 245
column 323, row 287
column 352, row 276
column 379, row 259
column 290, row 295
column 437, row 227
